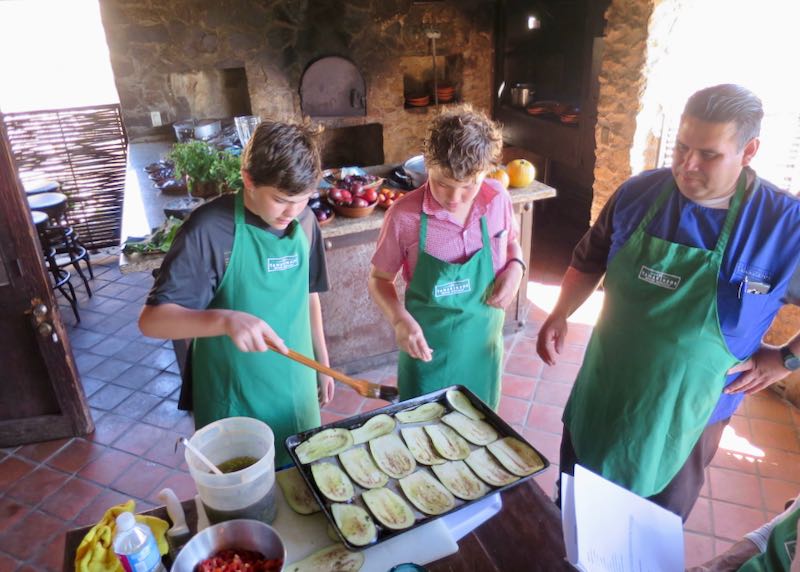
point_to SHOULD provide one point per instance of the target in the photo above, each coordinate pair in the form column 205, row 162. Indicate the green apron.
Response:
column 657, row 360
column 267, row 277
column 781, row 548
column 449, row 303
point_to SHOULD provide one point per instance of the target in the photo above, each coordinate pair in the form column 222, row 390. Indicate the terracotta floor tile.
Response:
column 11, row 512
column 741, row 426
column 777, row 492
column 735, row 461
column 8, row 564
column 109, row 397
column 735, row 487
column 513, row 410
column 76, row 455
column 166, row 414
column 141, row 478
column 547, row 444
column 777, row 435
column 370, row 404
column 330, row 416
column 705, row 490
column 34, row 486
column 166, row 451
column 140, row 438
column 107, row 467
column 780, row 464
column 518, row 386
column 98, row 507
column 721, row 545
column 70, row 499
column 36, row 525
column 109, row 427
column 137, row 376
column 345, row 401
column 545, row 418
column 572, row 353
column 547, row 480
column 181, row 484
column 38, row 452
column 767, row 405
column 51, row 556
column 12, row 469
column 698, row 548
column 527, row 366
column 552, row 393
column 700, row 518
column 524, row 347
column 732, row 521
column 537, row 313
column 578, row 334
column 562, row 372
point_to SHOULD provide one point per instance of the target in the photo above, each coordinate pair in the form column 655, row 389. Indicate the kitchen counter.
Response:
column 524, row 535
column 358, row 336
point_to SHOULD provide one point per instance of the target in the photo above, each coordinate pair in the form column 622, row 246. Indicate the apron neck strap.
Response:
column 423, row 231
column 238, row 211
column 484, row 230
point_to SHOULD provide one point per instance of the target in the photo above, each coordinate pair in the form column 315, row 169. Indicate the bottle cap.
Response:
column 125, row 521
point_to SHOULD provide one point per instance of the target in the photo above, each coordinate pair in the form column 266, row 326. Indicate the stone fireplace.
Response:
column 206, row 59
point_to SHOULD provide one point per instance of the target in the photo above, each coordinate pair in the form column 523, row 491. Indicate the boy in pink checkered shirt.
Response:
column 455, row 240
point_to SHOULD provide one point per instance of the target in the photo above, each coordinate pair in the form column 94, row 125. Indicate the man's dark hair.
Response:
column 283, row 155
column 726, row 103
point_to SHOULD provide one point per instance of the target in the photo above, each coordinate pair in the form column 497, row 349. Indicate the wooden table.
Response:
column 524, row 536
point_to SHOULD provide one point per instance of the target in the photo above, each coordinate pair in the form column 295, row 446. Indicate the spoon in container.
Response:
column 185, row 442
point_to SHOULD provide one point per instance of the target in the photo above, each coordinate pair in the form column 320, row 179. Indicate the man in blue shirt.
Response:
column 696, row 261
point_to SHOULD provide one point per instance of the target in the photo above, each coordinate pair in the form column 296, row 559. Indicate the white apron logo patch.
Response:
column 658, row 278
column 283, row 263
column 452, row 288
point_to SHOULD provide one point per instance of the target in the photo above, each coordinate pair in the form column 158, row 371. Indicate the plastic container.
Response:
column 135, row 545
column 247, row 493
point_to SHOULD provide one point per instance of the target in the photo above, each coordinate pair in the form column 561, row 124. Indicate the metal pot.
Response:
column 207, row 128
column 522, row 94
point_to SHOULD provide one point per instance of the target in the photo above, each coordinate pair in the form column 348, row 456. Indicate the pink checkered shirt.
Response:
column 447, row 240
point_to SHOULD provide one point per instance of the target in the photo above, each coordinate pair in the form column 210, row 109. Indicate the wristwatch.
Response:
column 790, row 361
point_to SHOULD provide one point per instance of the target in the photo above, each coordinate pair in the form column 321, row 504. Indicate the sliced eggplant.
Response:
column 296, row 491
column 373, row 428
column 332, row 482
column 391, row 456
column 460, row 481
column 488, row 469
column 389, row 508
column 516, row 456
column 355, row 524
column 462, row 404
column 361, row 468
column 425, row 412
column 477, row 432
column 420, row 446
column 326, row 443
column 426, row 493
column 447, row 442
column 334, row 558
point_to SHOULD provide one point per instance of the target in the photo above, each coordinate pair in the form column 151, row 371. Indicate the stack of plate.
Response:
column 417, row 100
column 445, row 93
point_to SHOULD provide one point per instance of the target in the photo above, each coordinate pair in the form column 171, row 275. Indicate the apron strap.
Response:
column 238, row 211
column 485, row 231
column 423, row 231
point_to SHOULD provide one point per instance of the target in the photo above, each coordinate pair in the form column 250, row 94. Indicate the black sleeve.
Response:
column 793, row 294
column 193, row 268
column 591, row 253
column 317, row 266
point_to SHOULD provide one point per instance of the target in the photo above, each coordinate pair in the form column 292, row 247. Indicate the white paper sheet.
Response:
column 610, row 529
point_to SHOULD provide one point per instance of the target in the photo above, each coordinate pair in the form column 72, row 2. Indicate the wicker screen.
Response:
column 85, row 149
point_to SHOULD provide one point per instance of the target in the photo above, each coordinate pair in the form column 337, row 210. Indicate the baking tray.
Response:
column 503, row 428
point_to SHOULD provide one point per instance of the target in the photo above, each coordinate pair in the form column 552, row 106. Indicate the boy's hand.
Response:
column 411, row 340
column 249, row 332
column 325, row 389
column 506, row 285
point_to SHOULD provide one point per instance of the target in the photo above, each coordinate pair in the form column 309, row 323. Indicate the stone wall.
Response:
column 274, row 40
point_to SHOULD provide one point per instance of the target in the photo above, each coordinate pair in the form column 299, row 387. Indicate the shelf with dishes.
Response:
column 443, row 94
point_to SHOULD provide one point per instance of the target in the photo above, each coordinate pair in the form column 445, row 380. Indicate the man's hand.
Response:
column 410, row 338
column 764, row 368
column 249, row 332
column 325, row 389
column 550, row 340
column 506, row 285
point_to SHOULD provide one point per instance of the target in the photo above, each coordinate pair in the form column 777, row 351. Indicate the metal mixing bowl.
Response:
column 243, row 534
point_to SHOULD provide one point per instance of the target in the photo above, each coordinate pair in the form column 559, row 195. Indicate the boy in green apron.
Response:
column 247, row 268
column 455, row 239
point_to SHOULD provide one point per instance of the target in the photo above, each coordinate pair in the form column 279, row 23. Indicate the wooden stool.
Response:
column 61, row 276
column 39, row 187
column 59, row 233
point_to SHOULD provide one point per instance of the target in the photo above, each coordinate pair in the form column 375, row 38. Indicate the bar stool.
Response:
column 61, row 276
column 39, row 186
column 59, row 233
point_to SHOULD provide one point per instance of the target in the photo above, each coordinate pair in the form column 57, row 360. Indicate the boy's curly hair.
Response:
column 463, row 142
column 283, row 155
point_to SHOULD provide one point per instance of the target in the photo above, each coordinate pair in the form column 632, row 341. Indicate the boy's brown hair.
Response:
column 463, row 142
column 283, row 155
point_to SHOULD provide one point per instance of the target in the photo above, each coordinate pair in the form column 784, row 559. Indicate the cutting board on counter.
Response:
column 304, row 535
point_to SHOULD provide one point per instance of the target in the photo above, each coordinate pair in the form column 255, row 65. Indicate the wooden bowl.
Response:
column 355, row 212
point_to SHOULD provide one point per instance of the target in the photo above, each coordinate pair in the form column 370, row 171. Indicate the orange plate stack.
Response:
column 418, row 100
column 445, row 93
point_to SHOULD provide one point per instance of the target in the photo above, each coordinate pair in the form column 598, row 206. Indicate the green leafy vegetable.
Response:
column 157, row 243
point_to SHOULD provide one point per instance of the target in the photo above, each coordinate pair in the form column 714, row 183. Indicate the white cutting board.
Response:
column 304, row 535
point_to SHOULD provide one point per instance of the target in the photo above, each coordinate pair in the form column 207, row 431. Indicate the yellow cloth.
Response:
column 96, row 551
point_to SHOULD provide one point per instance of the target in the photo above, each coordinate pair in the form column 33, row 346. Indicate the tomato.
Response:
column 370, row 195
column 501, row 175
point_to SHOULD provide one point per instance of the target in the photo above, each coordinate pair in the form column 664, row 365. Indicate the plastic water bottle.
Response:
column 135, row 546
